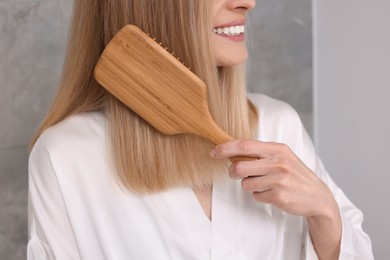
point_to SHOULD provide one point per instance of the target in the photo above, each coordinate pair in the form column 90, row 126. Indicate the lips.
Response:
column 234, row 31
column 230, row 30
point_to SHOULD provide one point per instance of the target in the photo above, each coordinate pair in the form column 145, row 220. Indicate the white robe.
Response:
column 76, row 211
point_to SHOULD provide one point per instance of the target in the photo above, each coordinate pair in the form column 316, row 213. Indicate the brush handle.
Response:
column 217, row 136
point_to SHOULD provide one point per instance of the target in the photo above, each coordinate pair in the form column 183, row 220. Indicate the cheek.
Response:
column 217, row 7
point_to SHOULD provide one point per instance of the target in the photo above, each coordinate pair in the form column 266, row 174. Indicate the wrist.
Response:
column 326, row 213
column 326, row 230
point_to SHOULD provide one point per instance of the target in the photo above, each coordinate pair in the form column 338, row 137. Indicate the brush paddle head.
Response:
column 155, row 85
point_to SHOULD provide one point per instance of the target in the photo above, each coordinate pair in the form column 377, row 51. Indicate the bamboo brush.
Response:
column 155, row 85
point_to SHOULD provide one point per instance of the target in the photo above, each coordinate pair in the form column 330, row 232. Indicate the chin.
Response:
column 231, row 56
column 231, row 61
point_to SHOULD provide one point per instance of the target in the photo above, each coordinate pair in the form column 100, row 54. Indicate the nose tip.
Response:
column 252, row 4
column 247, row 4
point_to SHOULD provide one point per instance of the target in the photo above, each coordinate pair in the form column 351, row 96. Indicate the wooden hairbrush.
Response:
column 155, row 85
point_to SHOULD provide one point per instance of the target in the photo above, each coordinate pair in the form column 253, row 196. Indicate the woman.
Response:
column 103, row 184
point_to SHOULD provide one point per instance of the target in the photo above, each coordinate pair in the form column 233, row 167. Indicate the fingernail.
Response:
column 213, row 153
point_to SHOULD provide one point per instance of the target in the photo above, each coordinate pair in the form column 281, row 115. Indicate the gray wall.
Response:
column 32, row 42
column 280, row 64
column 32, row 45
column 352, row 90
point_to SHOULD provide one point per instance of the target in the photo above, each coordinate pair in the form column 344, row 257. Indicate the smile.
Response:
column 231, row 30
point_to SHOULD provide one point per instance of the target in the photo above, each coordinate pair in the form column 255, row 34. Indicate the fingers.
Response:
column 263, row 183
column 260, row 183
column 260, row 167
column 274, row 197
column 243, row 169
column 246, row 147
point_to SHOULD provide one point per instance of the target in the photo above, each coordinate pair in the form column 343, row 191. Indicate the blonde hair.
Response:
column 146, row 160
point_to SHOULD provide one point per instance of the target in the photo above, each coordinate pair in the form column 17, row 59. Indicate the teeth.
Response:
column 232, row 30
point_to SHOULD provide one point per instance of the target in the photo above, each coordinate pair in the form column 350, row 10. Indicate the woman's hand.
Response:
column 280, row 178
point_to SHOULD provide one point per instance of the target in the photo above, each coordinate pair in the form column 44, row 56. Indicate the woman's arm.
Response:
column 280, row 178
column 297, row 181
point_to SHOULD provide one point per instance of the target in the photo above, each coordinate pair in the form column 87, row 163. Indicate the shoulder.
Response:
column 279, row 122
column 77, row 137
column 72, row 152
column 273, row 109
column 277, row 119
column 75, row 131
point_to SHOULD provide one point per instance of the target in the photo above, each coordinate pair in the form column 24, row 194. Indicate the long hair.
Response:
column 144, row 159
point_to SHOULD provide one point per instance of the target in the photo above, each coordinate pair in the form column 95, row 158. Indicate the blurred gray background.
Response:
column 280, row 44
column 32, row 45
column 351, row 105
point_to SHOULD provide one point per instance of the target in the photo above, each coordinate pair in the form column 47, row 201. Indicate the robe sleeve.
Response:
column 355, row 243
column 50, row 232
column 281, row 123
